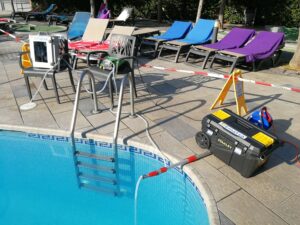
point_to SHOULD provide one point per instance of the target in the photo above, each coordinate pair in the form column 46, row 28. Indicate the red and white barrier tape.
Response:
column 220, row 76
column 12, row 36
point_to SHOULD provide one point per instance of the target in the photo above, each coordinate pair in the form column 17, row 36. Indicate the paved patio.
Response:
column 175, row 106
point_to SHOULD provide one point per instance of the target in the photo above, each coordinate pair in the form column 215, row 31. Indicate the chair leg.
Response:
column 55, row 88
column 212, row 62
column 75, row 60
column 133, row 82
column 28, row 86
column 45, row 85
column 187, row 56
column 233, row 66
column 71, row 79
column 206, row 59
column 177, row 55
column 111, row 94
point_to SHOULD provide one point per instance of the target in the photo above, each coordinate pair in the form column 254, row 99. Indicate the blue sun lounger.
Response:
column 200, row 34
column 178, row 30
column 78, row 25
column 41, row 15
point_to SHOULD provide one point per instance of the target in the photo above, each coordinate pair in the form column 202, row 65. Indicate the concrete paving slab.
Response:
column 219, row 184
column 261, row 186
column 289, row 210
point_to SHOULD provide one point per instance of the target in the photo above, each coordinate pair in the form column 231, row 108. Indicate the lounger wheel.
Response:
column 202, row 140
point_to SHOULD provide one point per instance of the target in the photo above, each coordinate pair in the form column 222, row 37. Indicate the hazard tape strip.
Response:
column 220, row 76
column 12, row 36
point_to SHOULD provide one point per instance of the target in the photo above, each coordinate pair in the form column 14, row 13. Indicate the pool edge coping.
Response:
column 206, row 193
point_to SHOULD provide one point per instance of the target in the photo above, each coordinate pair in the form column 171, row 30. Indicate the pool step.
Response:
column 97, row 178
column 95, row 167
column 94, row 156
column 99, row 189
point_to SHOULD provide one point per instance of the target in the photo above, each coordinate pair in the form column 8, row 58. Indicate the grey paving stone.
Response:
column 242, row 208
column 289, row 210
column 224, row 219
column 262, row 187
column 219, row 184
column 19, row 91
column 177, row 128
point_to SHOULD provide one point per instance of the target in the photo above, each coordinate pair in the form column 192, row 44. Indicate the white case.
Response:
column 44, row 50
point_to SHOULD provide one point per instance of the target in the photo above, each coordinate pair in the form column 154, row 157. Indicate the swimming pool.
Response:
column 39, row 185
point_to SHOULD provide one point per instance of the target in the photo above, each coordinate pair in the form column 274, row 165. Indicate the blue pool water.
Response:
column 39, row 186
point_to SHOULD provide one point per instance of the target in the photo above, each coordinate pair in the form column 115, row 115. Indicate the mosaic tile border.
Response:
column 125, row 148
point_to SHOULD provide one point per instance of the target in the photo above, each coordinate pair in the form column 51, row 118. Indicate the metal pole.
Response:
column 117, row 124
column 75, row 109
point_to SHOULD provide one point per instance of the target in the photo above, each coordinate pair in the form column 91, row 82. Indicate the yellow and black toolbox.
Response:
column 236, row 141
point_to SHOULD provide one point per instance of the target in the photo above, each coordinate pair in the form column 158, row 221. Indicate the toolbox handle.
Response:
column 243, row 123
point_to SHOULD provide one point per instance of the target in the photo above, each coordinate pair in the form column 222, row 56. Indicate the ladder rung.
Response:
column 95, row 167
column 94, row 156
column 100, row 189
column 97, row 178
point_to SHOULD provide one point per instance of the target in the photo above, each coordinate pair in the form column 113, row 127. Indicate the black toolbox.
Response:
column 236, row 141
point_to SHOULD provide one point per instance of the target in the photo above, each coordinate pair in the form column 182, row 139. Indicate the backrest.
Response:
column 50, row 9
column 266, row 40
column 95, row 29
column 78, row 25
column 124, row 30
column 202, row 30
column 236, row 38
column 125, row 14
column 121, row 46
column 178, row 29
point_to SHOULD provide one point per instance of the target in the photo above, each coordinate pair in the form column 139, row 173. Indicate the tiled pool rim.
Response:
column 200, row 183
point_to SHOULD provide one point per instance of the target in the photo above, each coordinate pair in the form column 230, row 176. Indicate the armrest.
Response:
column 92, row 53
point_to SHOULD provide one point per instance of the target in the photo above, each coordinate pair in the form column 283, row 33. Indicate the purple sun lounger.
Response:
column 236, row 38
column 265, row 45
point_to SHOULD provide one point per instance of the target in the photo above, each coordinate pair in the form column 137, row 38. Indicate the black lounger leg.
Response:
column 55, row 88
column 206, row 59
column 45, row 85
column 28, row 86
column 187, row 56
column 233, row 66
column 212, row 62
column 71, row 79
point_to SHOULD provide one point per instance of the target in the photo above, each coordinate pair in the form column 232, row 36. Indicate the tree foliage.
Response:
column 273, row 12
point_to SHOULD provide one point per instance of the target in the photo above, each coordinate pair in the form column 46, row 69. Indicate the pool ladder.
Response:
column 92, row 162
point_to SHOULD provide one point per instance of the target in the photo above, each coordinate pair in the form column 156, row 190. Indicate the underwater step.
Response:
column 95, row 167
column 99, row 189
column 94, row 156
column 97, row 178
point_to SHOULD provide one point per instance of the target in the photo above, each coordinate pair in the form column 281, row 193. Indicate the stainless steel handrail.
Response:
column 75, row 109
column 119, row 110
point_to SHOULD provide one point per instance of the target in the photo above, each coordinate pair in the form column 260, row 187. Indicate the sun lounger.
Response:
column 41, row 15
column 93, row 34
column 123, row 17
column 265, row 45
column 201, row 33
column 178, row 30
column 78, row 25
column 102, row 46
column 236, row 38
